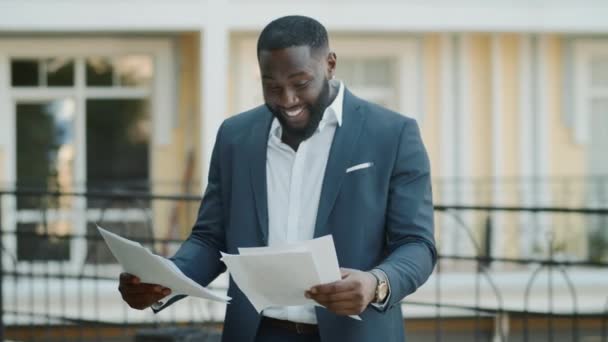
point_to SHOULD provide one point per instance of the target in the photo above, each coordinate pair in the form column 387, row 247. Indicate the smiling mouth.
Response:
column 294, row 112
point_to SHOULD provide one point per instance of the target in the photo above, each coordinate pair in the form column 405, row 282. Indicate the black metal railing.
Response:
column 504, row 273
column 561, row 250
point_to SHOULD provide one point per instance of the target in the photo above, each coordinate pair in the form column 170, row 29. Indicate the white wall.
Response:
column 380, row 15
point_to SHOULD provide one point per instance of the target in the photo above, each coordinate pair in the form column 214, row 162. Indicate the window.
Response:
column 45, row 155
column 591, row 102
column 80, row 117
column 51, row 72
column 118, row 141
column 129, row 71
column 591, row 93
column 591, row 119
column 372, row 78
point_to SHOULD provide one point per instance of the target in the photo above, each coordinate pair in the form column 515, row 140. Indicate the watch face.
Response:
column 382, row 292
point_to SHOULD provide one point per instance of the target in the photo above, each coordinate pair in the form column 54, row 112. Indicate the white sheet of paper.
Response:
column 154, row 269
column 268, row 276
column 271, row 279
column 323, row 253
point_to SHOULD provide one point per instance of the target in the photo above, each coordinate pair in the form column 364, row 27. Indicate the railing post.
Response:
column 501, row 327
column 487, row 244
column 1, row 274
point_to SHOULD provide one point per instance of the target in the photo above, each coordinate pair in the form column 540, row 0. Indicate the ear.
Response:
column 332, row 59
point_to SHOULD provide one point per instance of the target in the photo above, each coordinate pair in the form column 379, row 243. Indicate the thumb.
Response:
column 345, row 272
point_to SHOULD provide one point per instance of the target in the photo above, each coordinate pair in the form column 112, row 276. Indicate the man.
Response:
column 314, row 160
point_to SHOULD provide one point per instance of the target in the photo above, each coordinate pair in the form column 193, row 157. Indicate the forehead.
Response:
column 285, row 62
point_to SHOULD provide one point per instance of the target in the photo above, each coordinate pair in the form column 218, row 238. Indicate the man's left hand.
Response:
column 349, row 296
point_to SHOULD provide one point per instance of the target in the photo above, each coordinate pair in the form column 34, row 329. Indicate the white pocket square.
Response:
column 359, row 167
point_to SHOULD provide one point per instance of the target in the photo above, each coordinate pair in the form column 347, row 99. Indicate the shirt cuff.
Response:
column 381, row 274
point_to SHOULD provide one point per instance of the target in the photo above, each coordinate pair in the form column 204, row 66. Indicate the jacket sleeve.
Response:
column 199, row 256
column 409, row 223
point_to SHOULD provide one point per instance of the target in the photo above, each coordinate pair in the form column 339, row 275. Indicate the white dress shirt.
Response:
column 294, row 180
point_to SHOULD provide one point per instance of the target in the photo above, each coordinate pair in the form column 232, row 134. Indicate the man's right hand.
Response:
column 140, row 295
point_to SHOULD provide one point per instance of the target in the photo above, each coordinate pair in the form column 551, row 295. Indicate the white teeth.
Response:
column 293, row 113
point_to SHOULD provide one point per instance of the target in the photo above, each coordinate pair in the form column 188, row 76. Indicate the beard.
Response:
column 316, row 111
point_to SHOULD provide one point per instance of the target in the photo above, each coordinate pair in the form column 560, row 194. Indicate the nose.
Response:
column 288, row 98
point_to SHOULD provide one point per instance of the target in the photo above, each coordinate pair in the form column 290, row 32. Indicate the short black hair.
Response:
column 293, row 30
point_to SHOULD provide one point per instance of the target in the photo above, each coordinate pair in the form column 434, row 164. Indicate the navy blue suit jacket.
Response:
column 381, row 216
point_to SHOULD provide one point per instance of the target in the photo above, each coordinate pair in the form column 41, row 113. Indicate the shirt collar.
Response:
column 332, row 114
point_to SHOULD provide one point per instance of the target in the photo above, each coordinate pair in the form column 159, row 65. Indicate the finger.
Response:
column 142, row 301
column 127, row 278
column 157, row 289
column 354, row 299
column 140, row 288
column 144, row 288
column 338, row 286
column 141, row 296
column 344, row 272
column 337, row 297
column 139, row 291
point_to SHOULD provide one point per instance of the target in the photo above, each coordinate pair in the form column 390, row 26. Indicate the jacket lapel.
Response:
column 257, row 144
column 341, row 154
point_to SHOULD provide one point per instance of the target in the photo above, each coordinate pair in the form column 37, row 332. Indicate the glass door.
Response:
column 45, row 162
column 80, row 117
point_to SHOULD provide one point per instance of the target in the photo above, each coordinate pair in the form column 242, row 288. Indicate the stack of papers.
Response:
column 280, row 275
column 154, row 269
column 268, row 276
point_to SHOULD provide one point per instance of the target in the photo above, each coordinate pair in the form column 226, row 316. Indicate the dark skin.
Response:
column 140, row 295
column 292, row 81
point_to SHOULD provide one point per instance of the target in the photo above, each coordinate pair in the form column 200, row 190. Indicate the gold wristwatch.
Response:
column 381, row 286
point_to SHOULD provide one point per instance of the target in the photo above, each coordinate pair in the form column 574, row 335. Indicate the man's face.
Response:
column 296, row 89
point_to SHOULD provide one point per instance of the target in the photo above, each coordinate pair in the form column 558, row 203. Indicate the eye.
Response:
column 273, row 88
column 302, row 84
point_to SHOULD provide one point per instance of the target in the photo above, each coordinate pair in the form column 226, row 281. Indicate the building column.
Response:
column 214, row 56
column 456, row 140
column 546, row 232
column 526, row 130
column 534, row 143
column 497, row 150
column 6, row 123
column 449, row 236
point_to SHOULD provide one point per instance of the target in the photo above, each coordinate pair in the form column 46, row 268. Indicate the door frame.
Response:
column 162, row 107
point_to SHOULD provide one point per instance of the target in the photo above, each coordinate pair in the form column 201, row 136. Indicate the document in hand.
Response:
column 154, row 269
column 279, row 275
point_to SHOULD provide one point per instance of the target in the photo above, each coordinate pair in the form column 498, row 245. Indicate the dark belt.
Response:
column 298, row 328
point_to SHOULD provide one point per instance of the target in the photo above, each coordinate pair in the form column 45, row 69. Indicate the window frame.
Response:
column 583, row 52
column 160, row 93
column 405, row 52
